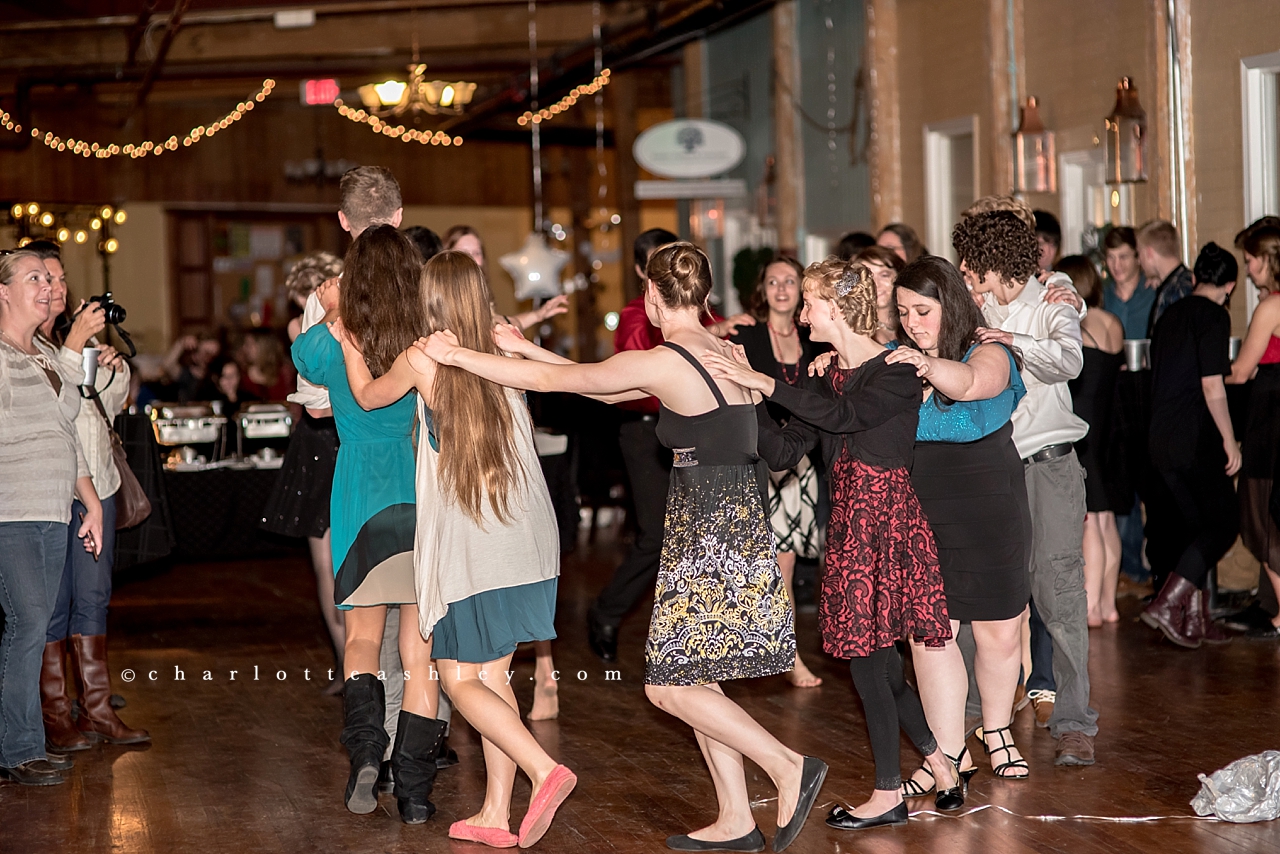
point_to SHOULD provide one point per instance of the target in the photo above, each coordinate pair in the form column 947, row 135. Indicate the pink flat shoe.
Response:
column 542, row 809
column 494, row 837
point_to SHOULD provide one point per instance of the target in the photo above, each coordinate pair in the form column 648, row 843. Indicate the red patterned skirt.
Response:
column 882, row 581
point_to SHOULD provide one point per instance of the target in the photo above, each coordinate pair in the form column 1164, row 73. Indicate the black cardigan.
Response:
column 755, row 340
column 874, row 418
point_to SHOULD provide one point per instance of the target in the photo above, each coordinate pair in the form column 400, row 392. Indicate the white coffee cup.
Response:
column 89, row 355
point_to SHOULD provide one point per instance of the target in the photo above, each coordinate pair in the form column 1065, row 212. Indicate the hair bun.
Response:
column 682, row 274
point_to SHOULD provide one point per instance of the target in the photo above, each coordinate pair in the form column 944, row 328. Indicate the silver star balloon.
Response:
column 535, row 267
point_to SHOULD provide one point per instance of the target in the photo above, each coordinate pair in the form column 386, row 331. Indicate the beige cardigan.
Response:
column 40, row 455
column 92, row 430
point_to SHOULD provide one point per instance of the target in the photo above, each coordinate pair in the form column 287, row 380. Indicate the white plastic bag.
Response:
column 1246, row 790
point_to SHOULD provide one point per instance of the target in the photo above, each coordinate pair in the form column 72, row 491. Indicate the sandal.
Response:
column 912, row 789
column 1003, row 769
column 965, row 775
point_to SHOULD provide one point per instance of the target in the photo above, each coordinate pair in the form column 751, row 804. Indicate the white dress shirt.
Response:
column 1048, row 337
column 310, row 395
column 95, row 441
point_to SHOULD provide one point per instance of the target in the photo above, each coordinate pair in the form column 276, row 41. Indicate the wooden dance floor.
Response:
column 255, row 766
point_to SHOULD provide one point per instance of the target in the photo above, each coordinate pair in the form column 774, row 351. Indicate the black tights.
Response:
column 1206, row 501
column 889, row 702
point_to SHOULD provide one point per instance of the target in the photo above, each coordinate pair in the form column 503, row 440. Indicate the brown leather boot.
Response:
column 1168, row 612
column 89, row 656
column 1200, row 625
column 60, row 733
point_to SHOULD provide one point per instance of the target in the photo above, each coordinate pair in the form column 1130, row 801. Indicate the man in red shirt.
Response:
column 648, row 465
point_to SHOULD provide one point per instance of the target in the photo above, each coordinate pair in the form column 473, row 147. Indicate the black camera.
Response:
column 112, row 312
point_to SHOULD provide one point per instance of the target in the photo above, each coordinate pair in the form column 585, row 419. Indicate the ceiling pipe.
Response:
column 625, row 46
column 175, row 24
column 213, row 18
column 138, row 30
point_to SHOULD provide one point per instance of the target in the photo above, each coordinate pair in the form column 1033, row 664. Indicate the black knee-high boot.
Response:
column 413, row 765
column 364, row 703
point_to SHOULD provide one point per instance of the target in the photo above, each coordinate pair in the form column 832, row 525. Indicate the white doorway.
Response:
column 1087, row 202
column 1260, row 93
column 951, row 178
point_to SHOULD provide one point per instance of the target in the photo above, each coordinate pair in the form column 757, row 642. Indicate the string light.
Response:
column 396, row 131
column 599, row 82
column 69, row 223
column 104, row 151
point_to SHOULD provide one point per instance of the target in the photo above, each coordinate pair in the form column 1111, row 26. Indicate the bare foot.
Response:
column 721, row 831
column 481, row 819
column 802, row 677
column 1094, row 619
column 1000, row 756
column 923, row 778
column 546, row 702
column 789, row 790
column 882, row 800
column 1112, row 616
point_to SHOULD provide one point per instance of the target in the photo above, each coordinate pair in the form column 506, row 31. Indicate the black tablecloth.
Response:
column 216, row 514
column 201, row 515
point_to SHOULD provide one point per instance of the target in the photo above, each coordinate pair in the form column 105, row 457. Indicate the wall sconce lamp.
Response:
column 1035, row 166
column 1126, row 132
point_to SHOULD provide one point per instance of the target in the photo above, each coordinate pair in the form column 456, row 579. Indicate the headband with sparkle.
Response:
column 847, row 281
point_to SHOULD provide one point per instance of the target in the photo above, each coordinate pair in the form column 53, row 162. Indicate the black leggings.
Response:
column 889, row 702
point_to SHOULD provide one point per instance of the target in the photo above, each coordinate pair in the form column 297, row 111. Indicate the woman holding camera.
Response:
column 41, row 469
column 80, row 611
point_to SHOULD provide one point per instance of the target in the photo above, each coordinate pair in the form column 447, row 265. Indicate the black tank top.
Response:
column 724, row 436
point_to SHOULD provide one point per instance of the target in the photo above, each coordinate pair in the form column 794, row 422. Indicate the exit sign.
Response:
column 318, row 92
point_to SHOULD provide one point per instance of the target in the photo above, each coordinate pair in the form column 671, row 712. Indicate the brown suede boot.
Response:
column 1200, row 625
column 1168, row 612
column 89, row 656
column 60, row 733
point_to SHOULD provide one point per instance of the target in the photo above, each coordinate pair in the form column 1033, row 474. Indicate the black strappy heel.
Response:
column 1007, row 746
column 912, row 789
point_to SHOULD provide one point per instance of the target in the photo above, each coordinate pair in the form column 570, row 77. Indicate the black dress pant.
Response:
column 648, row 466
column 1209, row 519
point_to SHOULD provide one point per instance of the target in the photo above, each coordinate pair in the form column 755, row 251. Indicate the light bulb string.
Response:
column 537, row 116
column 394, row 131
column 104, row 151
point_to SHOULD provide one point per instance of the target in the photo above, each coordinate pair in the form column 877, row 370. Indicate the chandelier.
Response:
column 433, row 97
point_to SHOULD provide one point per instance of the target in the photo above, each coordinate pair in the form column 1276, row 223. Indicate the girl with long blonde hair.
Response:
column 487, row 553
column 721, row 610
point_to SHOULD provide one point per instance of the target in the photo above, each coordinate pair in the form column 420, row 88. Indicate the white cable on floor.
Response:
column 1109, row 818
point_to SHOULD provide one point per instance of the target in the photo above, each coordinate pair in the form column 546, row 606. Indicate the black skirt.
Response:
column 299, row 504
column 1093, row 395
column 975, row 498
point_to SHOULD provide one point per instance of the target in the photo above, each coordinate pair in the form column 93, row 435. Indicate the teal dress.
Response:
column 372, row 504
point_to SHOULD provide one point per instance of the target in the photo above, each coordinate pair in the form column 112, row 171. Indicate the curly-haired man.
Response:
column 999, row 257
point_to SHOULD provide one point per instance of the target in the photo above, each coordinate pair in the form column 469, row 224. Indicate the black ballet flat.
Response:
column 842, row 819
column 815, row 771
column 753, row 841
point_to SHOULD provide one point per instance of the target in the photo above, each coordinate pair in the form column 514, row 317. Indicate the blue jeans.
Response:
column 31, row 558
column 85, row 591
column 1130, row 526
column 1041, row 677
